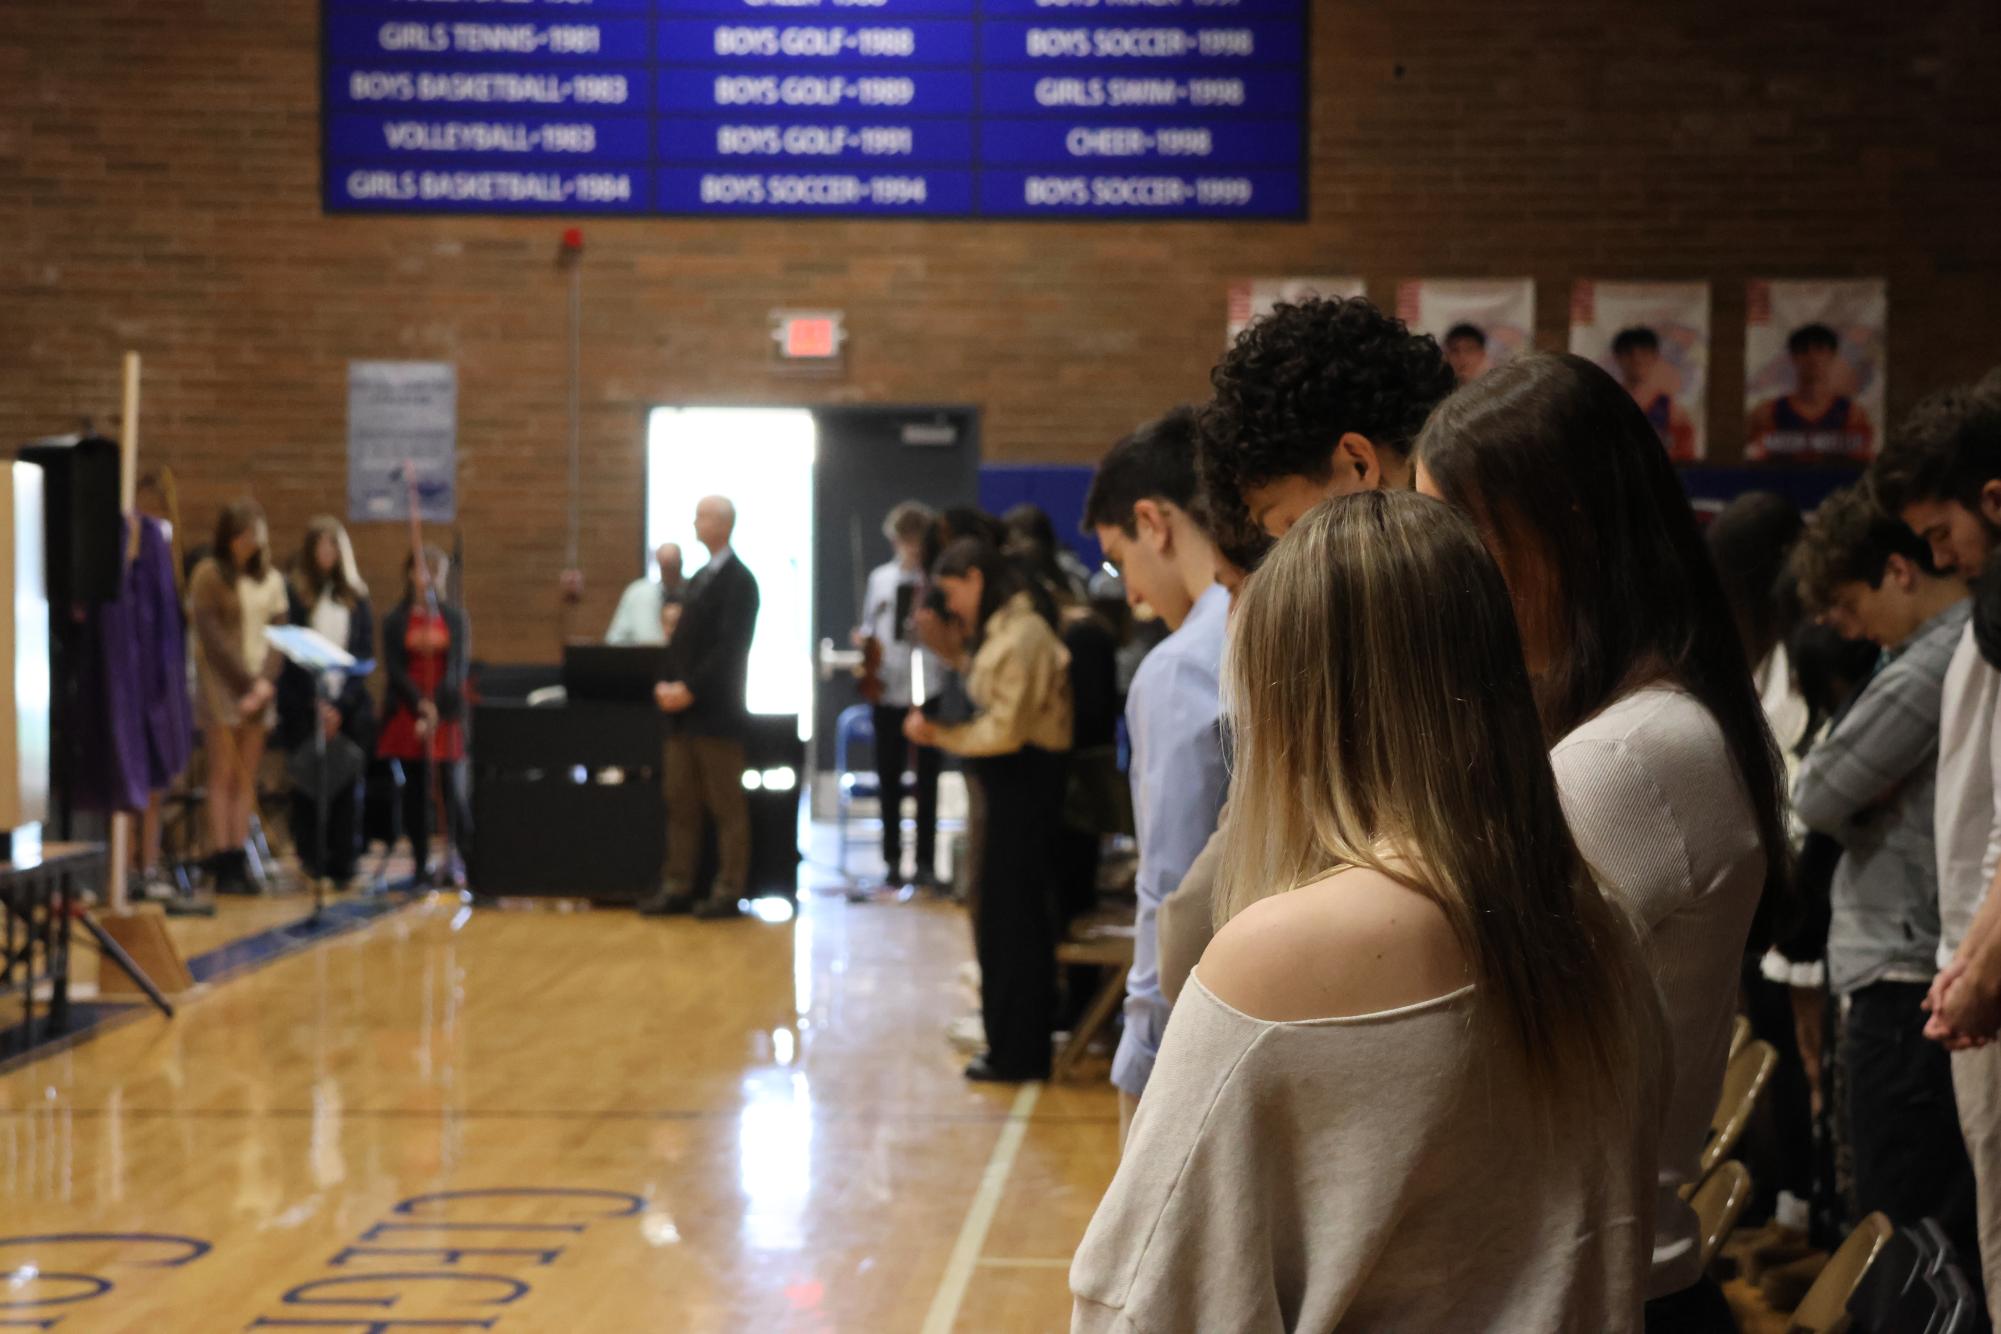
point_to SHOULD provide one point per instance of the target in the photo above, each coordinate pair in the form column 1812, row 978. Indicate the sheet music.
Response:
column 309, row 649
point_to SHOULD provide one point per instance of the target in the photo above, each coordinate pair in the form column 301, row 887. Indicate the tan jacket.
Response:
column 1020, row 682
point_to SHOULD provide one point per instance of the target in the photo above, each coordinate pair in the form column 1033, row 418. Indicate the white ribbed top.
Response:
column 1658, row 809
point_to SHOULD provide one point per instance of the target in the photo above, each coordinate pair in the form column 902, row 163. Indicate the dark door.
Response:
column 870, row 458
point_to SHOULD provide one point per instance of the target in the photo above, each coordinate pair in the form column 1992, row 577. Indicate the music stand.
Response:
column 613, row 673
column 320, row 658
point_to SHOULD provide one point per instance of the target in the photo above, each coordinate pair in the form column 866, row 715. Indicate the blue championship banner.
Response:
column 1137, row 109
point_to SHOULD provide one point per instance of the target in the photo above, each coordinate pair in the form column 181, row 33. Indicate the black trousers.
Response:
column 1702, row 1309
column 1014, row 932
column 1903, row 1122
column 419, row 815
column 1779, row 1155
column 343, row 832
column 893, row 755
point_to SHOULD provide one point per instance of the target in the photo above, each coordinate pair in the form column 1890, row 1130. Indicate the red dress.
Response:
column 428, row 641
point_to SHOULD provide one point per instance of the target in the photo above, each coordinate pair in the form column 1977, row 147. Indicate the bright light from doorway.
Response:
column 762, row 459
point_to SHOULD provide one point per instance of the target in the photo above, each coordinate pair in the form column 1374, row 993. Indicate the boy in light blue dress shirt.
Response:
column 1140, row 506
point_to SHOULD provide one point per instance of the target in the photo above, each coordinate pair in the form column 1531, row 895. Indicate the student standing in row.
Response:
column 1941, row 474
column 889, row 602
column 1141, row 505
column 1318, row 399
column 1667, row 769
column 1414, row 1081
column 1868, row 784
column 232, row 597
column 1015, row 744
column 328, row 595
column 426, row 644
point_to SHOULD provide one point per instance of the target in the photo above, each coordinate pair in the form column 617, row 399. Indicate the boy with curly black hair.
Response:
column 1315, row 400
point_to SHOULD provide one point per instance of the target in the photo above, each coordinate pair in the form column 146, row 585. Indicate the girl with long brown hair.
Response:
column 233, row 596
column 1014, row 746
column 328, row 594
column 426, row 644
column 1421, row 1040
column 1667, row 768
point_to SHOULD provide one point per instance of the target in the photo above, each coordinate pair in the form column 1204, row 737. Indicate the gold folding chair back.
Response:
column 1824, row 1309
column 1104, row 940
column 1718, row 1202
column 1740, row 1033
column 1744, row 1081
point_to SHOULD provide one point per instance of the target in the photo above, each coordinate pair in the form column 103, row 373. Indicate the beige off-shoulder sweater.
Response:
column 1390, row 1171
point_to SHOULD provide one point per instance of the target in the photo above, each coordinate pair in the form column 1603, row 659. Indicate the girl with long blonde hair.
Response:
column 1422, row 1043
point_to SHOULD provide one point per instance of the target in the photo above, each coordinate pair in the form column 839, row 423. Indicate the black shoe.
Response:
column 718, row 909
column 666, row 904
column 981, row 1072
column 232, row 873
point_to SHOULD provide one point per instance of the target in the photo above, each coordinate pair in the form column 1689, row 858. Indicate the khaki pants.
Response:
column 1976, row 1087
column 705, row 773
column 1128, row 1106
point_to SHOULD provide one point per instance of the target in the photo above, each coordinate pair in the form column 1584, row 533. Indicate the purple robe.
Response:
column 134, row 723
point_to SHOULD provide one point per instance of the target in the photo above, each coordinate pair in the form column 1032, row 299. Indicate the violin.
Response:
column 868, row 672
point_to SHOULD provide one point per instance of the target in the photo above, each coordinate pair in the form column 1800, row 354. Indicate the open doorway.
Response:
column 762, row 459
column 811, row 488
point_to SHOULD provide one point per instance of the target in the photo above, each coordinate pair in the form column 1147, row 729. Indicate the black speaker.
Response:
column 80, row 503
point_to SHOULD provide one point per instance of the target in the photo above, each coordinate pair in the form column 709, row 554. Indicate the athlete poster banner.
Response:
column 1813, row 369
column 1654, row 337
column 1252, row 297
column 1480, row 322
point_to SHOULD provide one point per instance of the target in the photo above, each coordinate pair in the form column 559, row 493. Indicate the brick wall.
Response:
column 158, row 190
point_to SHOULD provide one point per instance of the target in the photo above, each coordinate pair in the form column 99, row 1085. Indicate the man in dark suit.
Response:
column 709, row 660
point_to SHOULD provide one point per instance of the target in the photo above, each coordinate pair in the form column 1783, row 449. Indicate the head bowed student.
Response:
column 1143, row 507
column 1668, row 772
column 1314, row 400
column 1420, row 1030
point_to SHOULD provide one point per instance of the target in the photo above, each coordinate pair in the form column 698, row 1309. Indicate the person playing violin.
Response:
column 885, row 636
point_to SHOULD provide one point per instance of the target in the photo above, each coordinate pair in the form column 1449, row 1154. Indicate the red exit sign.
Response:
column 808, row 338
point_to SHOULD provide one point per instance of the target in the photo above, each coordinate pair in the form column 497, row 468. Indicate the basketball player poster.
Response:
column 1813, row 369
column 1654, row 338
column 1480, row 322
column 1252, row 297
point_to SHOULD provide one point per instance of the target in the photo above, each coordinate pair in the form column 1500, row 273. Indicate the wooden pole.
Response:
column 128, row 438
column 116, row 893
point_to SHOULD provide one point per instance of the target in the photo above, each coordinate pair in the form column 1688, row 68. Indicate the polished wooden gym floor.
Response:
column 551, row 1120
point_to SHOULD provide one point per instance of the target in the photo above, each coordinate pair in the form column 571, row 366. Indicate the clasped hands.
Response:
column 919, row 730
column 1964, row 1009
